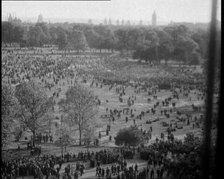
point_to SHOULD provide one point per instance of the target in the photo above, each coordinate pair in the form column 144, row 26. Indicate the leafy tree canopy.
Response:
column 129, row 136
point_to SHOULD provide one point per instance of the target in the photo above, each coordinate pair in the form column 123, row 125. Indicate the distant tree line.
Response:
column 176, row 42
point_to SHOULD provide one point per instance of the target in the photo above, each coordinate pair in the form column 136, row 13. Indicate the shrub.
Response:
column 129, row 136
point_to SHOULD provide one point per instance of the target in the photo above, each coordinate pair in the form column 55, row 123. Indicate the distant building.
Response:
column 105, row 21
column 171, row 22
column 10, row 18
column 140, row 23
column 118, row 22
column 128, row 23
column 14, row 20
column 154, row 19
column 40, row 19
column 122, row 22
column 90, row 21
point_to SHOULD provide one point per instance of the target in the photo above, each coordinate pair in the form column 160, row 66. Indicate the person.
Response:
column 152, row 174
column 76, row 175
column 51, row 138
column 58, row 169
column 118, row 176
column 97, row 171
column 161, row 171
column 60, row 163
column 28, row 145
column 136, row 168
column 82, row 169
column 67, row 169
column 64, row 176
column 103, row 172
column 107, row 172
column 157, row 168
column 18, row 147
column 118, row 169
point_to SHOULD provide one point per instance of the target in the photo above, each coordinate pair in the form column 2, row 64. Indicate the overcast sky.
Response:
column 166, row 10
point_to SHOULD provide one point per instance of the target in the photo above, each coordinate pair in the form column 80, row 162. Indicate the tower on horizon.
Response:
column 154, row 19
column 40, row 19
column 13, row 19
column 10, row 18
column 118, row 22
column 90, row 21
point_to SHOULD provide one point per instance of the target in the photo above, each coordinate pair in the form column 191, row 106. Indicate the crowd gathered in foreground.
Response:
column 165, row 159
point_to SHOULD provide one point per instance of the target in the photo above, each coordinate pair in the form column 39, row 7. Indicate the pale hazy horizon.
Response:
column 133, row 10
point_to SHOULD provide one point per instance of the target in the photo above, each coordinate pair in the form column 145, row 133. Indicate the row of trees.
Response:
column 145, row 43
column 11, row 33
column 173, row 42
column 28, row 107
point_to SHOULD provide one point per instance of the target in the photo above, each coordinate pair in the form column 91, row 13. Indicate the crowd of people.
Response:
column 37, row 167
column 173, row 158
column 166, row 108
column 50, row 166
column 53, row 72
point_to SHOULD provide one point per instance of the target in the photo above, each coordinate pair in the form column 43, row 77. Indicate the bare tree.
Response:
column 8, row 111
column 79, row 107
column 89, row 135
column 34, row 105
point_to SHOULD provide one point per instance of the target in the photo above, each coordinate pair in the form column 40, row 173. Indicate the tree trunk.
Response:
column 156, row 55
column 62, row 149
column 80, row 130
column 80, row 137
column 34, row 137
column 49, row 127
column 186, row 57
column 166, row 61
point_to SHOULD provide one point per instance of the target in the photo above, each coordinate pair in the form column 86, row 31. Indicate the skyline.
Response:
column 179, row 10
